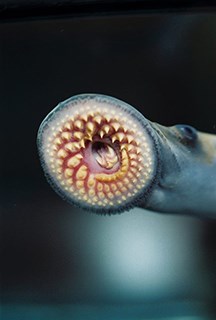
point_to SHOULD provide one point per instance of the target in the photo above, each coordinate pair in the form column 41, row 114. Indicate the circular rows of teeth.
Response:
column 64, row 149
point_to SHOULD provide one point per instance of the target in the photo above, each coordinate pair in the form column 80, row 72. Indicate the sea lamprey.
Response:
column 101, row 154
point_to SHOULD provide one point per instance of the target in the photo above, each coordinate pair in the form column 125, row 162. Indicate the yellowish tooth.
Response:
column 82, row 173
column 99, row 186
column 69, row 182
column 106, row 188
column 80, row 184
column 90, row 127
column 134, row 180
column 124, row 168
column 91, row 183
column 126, row 181
column 120, row 136
column 98, row 119
column 133, row 163
column 130, row 138
column 82, row 191
column 115, row 126
column 118, row 193
column 79, row 124
column 59, row 170
column 124, row 189
column 62, row 153
column 72, row 146
column 106, row 128
column 124, row 198
column 110, row 195
column 84, row 117
column 59, row 162
column 74, row 161
column 108, row 117
column 95, row 199
column 82, row 143
column 57, row 141
column 85, row 197
column 133, row 156
column 130, row 175
column 114, row 187
column 133, row 169
column 120, row 184
column 88, row 136
column 130, row 147
column 114, row 138
column 101, row 133
column 92, row 192
column 78, row 135
column 101, row 195
column 68, row 173
column 66, row 135
column 68, row 126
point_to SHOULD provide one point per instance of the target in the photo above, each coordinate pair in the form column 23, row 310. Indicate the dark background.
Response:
column 54, row 255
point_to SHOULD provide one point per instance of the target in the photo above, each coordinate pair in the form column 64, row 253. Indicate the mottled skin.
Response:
column 101, row 154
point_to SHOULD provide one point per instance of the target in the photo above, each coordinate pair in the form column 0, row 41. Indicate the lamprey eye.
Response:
column 98, row 153
column 188, row 134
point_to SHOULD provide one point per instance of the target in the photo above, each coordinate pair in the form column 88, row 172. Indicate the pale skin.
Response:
column 101, row 154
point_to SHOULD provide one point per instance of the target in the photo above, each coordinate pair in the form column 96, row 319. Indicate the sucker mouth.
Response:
column 97, row 153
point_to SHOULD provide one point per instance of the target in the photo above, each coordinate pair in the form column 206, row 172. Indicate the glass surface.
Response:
column 59, row 262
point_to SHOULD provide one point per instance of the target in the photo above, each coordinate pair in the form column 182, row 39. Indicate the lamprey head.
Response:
column 98, row 153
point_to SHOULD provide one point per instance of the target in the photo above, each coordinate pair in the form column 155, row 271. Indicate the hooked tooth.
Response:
column 82, row 143
column 78, row 124
column 114, row 138
column 101, row 133
column 90, row 127
column 78, row 135
column 115, row 126
column 82, row 173
column 74, row 161
column 62, row 153
column 98, row 119
column 66, row 135
column 84, row 117
column 130, row 147
column 106, row 128
column 120, row 136
column 67, row 125
column 57, row 141
column 129, row 138
column 72, row 146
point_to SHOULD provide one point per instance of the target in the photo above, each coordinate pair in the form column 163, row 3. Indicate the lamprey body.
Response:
column 101, row 154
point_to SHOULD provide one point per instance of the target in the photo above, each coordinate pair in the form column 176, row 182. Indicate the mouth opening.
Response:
column 97, row 152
